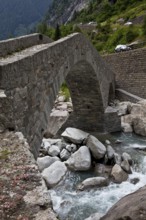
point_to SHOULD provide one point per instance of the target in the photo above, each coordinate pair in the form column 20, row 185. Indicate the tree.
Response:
column 144, row 27
column 57, row 34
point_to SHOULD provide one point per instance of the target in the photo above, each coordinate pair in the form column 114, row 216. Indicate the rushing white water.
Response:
column 72, row 205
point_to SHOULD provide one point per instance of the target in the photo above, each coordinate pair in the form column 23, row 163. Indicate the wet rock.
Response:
column 118, row 141
column 97, row 148
column 65, row 154
column 74, row 135
column 110, row 152
column 103, row 170
column 126, row 156
column 131, row 207
column 54, row 173
column 54, row 151
column 95, row 216
column 126, row 167
column 44, row 162
column 117, row 159
column 80, row 160
column 134, row 180
column 119, row 174
column 93, row 182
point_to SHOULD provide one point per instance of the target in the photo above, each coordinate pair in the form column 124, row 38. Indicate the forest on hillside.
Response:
column 19, row 17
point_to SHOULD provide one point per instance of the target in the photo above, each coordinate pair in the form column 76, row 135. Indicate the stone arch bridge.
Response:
column 32, row 69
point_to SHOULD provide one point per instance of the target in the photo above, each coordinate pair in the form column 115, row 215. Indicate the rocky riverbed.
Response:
column 85, row 167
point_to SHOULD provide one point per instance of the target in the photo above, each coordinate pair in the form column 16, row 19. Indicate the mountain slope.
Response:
column 18, row 16
column 62, row 11
column 106, row 23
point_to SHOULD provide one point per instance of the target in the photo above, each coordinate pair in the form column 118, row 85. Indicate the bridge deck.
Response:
column 22, row 54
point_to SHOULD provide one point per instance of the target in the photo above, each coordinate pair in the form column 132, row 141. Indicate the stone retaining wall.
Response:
column 130, row 70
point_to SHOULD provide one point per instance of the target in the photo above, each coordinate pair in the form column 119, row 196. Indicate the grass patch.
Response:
column 4, row 154
column 65, row 91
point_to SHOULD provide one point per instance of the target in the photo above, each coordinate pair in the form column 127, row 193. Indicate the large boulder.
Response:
column 137, row 109
column 44, row 162
column 97, row 148
column 139, row 126
column 93, row 182
column 80, row 160
column 131, row 207
column 74, row 135
column 118, row 174
column 54, row 173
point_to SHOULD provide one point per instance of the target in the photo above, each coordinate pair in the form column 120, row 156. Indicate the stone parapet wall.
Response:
column 10, row 46
column 130, row 70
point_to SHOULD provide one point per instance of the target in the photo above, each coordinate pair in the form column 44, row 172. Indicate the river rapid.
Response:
column 70, row 204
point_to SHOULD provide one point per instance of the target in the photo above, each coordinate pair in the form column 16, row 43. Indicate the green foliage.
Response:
column 57, row 34
column 65, row 91
column 43, row 28
column 144, row 27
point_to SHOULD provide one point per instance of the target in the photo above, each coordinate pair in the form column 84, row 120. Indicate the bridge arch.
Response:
column 36, row 76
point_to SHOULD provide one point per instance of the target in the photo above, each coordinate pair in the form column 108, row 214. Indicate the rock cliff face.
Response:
column 62, row 11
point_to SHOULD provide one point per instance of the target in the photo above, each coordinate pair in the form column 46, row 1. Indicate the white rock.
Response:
column 93, row 182
column 61, row 98
column 119, row 174
column 65, row 154
column 54, row 174
column 54, row 151
column 127, row 128
column 139, row 126
column 44, row 162
column 126, row 156
column 137, row 109
column 110, row 152
column 71, row 148
column 117, row 158
column 123, row 108
column 97, row 148
column 80, row 160
column 74, row 135
column 107, row 142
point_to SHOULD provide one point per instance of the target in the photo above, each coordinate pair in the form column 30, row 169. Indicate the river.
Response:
column 71, row 204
